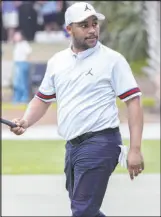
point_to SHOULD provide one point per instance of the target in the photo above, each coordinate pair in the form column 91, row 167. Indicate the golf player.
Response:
column 85, row 79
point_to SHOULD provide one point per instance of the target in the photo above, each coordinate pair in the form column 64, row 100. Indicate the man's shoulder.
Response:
column 59, row 56
column 110, row 52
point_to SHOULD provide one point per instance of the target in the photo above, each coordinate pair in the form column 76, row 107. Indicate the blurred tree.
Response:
column 152, row 26
column 124, row 29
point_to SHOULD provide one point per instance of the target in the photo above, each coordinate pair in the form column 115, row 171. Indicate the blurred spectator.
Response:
column 27, row 20
column 51, row 14
column 60, row 14
column 37, row 19
column 21, row 53
column 50, row 11
column 10, row 17
column 3, row 31
column 40, row 22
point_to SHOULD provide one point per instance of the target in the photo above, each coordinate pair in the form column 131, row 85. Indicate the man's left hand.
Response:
column 135, row 163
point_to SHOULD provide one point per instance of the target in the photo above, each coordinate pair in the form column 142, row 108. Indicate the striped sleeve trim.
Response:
column 45, row 97
column 129, row 93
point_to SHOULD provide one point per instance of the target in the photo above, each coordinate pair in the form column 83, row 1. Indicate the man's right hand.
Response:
column 22, row 125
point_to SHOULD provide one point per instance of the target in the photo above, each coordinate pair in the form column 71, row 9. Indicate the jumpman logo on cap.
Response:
column 87, row 8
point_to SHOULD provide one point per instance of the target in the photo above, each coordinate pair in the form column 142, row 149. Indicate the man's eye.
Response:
column 95, row 24
column 84, row 25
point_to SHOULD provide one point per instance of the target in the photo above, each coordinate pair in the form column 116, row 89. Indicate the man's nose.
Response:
column 92, row 30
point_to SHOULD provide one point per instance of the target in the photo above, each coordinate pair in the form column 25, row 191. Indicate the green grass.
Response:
column 47, row 157
column 137, row 67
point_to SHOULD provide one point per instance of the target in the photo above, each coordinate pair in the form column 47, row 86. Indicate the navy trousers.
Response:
column 88, row 167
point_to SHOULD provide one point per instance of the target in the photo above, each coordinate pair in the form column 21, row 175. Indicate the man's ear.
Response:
column 69, row 29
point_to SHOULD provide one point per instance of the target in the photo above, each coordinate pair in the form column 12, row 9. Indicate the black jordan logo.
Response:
column 87, row 8
column 89, row 73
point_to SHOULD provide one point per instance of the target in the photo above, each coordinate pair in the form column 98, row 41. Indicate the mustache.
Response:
column 91, row 37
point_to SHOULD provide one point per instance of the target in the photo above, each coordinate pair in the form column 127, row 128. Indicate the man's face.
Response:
column 17, row 37
column 84, row 34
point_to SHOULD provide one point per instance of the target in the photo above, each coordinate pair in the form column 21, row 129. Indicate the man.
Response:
column 85, row 80
column 10, row 18
column 27, row 16
column 21, row 53
column 50, row 11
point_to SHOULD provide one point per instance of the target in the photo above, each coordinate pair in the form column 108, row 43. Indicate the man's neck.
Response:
column 77, row 50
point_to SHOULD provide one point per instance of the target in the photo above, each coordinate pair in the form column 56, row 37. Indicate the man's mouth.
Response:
column 93, row 37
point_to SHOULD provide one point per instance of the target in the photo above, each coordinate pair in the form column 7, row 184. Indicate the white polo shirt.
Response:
column 85, row 86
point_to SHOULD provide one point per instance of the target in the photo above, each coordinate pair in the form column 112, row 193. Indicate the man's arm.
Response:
column 135, row 121
column 34, row 112
column 126, row 88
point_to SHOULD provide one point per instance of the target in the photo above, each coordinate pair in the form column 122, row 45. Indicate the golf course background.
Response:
column 47, row 157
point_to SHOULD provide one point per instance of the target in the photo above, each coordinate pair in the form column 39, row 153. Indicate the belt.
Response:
column 85, row 136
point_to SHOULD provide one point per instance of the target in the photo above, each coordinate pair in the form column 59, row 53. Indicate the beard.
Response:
column 85, row 43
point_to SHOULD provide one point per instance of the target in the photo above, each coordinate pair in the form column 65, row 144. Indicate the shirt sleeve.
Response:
column 46, row 91
column 123, row 81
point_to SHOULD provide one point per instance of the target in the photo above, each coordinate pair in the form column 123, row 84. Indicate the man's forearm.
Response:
column 35, row 111
column 135, row 121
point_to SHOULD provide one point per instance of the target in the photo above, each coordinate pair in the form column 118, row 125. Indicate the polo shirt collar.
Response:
column 85, row 53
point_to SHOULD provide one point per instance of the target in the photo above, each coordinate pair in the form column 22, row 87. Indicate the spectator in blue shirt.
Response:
column 10, row 17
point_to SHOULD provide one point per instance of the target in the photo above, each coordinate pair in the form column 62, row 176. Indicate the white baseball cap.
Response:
column 80, row 11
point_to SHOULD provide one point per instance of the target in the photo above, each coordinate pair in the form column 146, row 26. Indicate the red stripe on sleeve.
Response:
column 41, row 95
column 129, row 93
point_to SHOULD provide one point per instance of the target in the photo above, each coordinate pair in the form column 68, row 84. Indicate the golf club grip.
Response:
column 9, row 123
